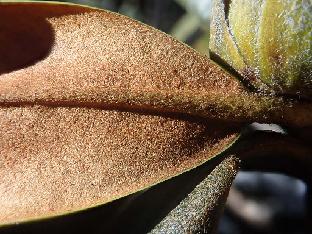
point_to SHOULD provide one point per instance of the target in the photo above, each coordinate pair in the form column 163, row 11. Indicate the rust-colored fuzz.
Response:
column 95, row 106
column 56, row 160
column 79, row 121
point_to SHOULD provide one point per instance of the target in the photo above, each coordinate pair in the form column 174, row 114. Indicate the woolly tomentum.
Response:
column 267, row 42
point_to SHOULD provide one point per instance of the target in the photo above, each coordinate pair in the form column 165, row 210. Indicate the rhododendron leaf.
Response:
column 81, row 115
column 95, row 106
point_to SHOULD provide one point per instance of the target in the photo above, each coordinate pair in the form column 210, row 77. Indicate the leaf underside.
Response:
column 88, row 57
column 58, row 160
column 95, row 106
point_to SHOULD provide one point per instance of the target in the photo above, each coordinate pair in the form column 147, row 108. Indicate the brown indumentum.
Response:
column 103, row 114
column 108, row 106
column 101, row 59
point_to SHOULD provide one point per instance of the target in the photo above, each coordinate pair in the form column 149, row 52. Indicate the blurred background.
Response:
column 258, row 202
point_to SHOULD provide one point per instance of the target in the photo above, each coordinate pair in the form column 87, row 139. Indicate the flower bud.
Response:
column 272, row 41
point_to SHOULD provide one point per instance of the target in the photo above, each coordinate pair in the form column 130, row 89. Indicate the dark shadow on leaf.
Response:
column 26, row 36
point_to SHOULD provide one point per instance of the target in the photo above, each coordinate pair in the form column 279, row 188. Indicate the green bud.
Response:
column 274, row 40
